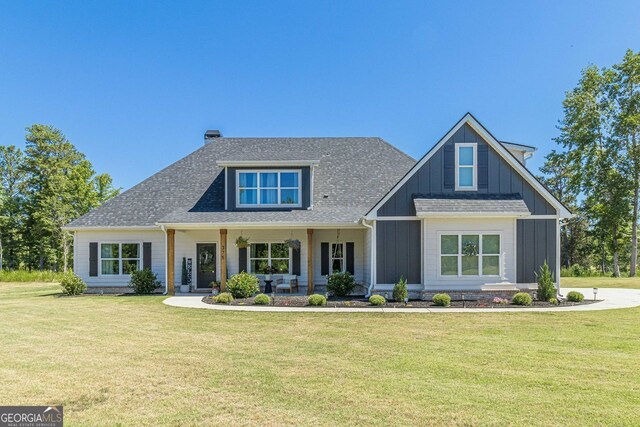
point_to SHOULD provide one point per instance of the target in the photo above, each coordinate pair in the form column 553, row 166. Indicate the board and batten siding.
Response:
column 495, row 176
column 433, row 228
column 398, row 252
column 536, row 244
column 81, row 251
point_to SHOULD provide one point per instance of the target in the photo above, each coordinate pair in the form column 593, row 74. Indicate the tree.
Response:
column 12, row 180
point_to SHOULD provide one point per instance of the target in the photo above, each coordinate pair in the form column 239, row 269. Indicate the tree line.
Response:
column 596, row 171
column 42, row 188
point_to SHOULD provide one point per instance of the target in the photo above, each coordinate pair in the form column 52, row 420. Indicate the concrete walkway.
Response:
column 611, row 298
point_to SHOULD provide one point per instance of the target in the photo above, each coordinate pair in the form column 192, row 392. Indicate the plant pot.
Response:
column 267, row 277
column 184, row 288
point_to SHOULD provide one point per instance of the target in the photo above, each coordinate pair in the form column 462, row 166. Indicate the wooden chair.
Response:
column 287, row 281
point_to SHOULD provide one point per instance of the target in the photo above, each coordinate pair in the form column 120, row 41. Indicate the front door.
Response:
column 206, row 269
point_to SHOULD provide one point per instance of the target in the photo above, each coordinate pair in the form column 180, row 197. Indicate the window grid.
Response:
column 258, row 188
column 269, row 258
column 338, row 255
column 119, row 259
column 462, row 168
column 481, row 255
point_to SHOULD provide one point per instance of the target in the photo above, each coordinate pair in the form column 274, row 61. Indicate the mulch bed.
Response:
column 301, row 301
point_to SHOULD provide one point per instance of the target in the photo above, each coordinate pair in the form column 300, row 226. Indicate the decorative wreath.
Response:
column 470, row 249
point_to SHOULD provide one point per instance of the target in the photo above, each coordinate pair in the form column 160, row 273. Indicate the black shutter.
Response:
column 146, row 255
column 295, row 269
column 242, row 255
column 350, row 258
column 449, row 166
column 483, row 166
column 93, row 259
column 324, row 263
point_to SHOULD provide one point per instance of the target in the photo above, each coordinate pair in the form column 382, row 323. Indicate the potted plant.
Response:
column 184, row 284
column 293, row 243
column 268, row 271
column 215, row 287
column 242, row 242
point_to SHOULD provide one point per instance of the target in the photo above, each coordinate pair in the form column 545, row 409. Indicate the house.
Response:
column 466, row 216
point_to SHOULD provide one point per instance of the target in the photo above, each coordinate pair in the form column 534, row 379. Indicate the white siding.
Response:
column 330, row 236
column 432, row 228
column 81, row 262
column 185, row 247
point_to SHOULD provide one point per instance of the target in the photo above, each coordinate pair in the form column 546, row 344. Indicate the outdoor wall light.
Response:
column 595, row 292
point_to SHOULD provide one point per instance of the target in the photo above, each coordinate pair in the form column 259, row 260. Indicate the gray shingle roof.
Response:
column 486, row 204
column 354, row 173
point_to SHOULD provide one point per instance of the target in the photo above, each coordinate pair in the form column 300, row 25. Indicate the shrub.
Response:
column 341, row 284
column 522, row 298
column 243, row 285
column 546, row 287
column 317, row 299
column 575, row 296
column 262, row 299
column 442, row 300
column 498, row 300
column 72, row 284
column 30, row 276
column 400, row 291
column 144, row 281
column 377, row 300
column 223, row 298
column 553, row 301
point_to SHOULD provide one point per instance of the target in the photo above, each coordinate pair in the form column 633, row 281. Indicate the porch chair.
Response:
column 288, row 281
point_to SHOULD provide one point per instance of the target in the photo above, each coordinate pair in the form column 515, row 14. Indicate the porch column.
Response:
column 171, row 244
column 309, row 261
column 223, row 259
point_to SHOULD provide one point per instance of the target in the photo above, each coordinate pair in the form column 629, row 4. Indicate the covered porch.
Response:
column 200, row 259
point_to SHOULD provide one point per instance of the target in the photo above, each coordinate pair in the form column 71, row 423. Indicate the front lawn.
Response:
column 600, row 282
column 134, row 361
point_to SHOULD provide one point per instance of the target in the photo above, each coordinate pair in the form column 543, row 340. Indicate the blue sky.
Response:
column 134, row 85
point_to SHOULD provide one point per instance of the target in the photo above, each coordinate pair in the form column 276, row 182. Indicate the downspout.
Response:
column 558, row 256
column 166, row 267
column 372, row 261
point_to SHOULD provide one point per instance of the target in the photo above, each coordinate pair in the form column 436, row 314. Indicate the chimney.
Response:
column 210, row 135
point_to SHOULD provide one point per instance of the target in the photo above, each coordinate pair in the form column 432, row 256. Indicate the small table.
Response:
column 267, row 286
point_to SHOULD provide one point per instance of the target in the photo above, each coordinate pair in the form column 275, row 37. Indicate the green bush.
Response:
column 262, row 299
column 143, row 281
column 341, row 284
column 575, row 296
column 400, row 291
column 224, row 298
column 72, row 284
column 443, row 300
column 553, row 301
column 377, row 300
column 30, row 276
column 546, row 287
column 522, row 298
column 243, row 285
column 317, row 299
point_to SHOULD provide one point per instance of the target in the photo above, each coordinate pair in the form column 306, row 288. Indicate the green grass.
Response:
column 135, row 361
column 600, row 282
column 30, row 276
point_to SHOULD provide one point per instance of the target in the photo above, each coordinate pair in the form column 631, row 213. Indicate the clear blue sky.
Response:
column 134, row 85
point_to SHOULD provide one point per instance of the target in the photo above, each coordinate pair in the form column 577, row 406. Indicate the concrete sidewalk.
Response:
column 612, row 298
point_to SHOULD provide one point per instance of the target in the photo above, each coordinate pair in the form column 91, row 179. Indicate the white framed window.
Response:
column 337, row 259
column 268, row 188
column 276, row 255
column 466, row 159
column 456, row 261
column 117, row 259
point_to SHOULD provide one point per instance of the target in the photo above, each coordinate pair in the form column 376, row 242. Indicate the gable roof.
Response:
column 351, row 174
column 470, row 204
column 468, row 118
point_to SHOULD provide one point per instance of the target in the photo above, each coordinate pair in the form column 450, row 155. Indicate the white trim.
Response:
column 397, row 218
column 558, row 258
column 115, row 228
column 312, row 174
column 278, row 188
column 540, row 217
column 459, row 255
column 472, row 214
column 119, row 257
column 262, row 163
column 226, row 187
column 519, row 147
column 469, row 119
column 474, row 175
column 75, row 253
column 252, row 225
column 515, row 249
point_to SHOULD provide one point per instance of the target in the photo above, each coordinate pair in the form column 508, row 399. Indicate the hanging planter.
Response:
column 293, row 243
column 242, row 242
column 470, row 249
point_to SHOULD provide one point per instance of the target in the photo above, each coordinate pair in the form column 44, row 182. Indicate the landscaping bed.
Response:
column 361, row 302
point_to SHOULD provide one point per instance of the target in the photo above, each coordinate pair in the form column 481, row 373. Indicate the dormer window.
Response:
column 268, row 188
column 466, row 167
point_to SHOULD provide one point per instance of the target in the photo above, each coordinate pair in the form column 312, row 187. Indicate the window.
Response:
column 457, row 256
column 262, row 255
column 338, row 263
column 466, row 166
column 268, row 188
column 119, row 258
